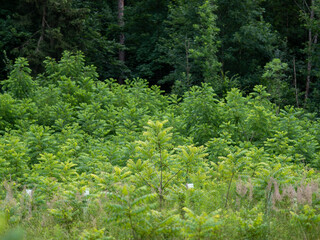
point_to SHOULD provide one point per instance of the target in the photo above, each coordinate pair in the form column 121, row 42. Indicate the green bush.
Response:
column 83, row 159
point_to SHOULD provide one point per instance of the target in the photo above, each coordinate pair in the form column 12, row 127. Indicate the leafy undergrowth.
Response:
column 82, row 159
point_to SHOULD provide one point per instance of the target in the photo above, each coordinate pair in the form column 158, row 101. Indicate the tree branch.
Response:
column 43, row 26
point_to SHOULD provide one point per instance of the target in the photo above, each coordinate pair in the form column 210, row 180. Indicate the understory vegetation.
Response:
column 86, row 159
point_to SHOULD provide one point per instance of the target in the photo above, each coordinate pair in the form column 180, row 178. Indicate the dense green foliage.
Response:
column 175, row 43
column 85, row 159
column 221, row 141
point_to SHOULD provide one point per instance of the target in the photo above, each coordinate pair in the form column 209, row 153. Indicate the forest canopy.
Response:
column 175, row 44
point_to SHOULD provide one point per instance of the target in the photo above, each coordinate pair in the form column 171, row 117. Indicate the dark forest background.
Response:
column 176, row 44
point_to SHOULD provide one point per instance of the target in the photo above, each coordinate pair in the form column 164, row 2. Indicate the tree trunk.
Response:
column 312, row 41
column 309, row 67
column 187, row 47
column 121, row 37
column 295, row 81
column 43, row 26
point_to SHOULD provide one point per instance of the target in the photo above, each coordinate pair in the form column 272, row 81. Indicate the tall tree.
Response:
column 48, row 28
column 145, row 20
column 282, row 15
column 121, row 37
column 99, row 39
column 248, row 42
column 311, row 15
column 190, row 45
column 39, row 28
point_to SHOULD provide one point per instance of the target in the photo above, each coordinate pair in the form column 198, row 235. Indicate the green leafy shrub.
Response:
column 86, row 159
column 20, row 83
column 13, row 159
column 202, row 226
